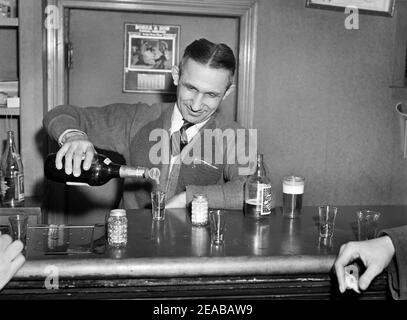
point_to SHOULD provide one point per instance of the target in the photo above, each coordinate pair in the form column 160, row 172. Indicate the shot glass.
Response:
column 158, row 205
column 293, row 190
column 19, row 225
column 217, row 222
column 368, row 224
column 327, row 216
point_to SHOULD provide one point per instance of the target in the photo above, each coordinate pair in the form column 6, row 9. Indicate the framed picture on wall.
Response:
column 376, row 7
column 150, row 51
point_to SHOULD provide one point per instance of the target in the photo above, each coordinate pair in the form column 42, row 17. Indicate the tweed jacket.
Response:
column 140, row 133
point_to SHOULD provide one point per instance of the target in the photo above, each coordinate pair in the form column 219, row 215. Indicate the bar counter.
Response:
column 272, row 258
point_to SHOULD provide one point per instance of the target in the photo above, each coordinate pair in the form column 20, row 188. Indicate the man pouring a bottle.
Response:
column 204, row 78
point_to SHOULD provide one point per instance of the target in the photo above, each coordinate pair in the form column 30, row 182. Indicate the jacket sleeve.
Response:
column 397, row 270
column 240, row 162
column 107, row 127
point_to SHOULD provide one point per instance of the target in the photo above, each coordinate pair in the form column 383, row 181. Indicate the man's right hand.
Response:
column 76, row 148
column 375, row 254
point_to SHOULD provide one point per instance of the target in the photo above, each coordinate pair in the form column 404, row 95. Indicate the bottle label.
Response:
column 19, row 183
column 3, row 186
column 12, row 188
column 265, row 198
column 107, row 161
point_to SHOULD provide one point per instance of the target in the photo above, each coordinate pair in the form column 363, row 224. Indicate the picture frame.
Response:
column 373, row 7
column 150, row 51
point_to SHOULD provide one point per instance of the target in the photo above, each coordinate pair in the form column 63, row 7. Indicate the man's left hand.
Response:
column 178, row 201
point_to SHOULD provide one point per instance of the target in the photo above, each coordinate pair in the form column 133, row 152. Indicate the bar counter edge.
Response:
column 179, row 267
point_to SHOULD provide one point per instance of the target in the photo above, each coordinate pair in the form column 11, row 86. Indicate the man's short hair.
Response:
column 218, row 56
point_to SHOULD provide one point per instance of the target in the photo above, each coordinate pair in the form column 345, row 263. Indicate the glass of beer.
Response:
column 293, row 189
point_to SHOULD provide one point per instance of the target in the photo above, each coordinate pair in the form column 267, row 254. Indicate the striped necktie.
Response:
column 179, row 139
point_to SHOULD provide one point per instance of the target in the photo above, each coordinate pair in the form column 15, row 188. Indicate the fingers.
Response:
column 90, row 152
column 60, row 154
column 73, row 152
column 347, row 253
column 68, row 162
column 16, row 264
column 77, row 161
column 371, row 272
column 5, row 241
column 13, row 250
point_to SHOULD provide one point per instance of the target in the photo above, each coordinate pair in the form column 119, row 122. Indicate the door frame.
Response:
column 244, row 10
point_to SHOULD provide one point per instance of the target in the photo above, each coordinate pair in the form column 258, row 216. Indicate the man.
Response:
column 377, row 254
column 11, row 258
column 204, row 78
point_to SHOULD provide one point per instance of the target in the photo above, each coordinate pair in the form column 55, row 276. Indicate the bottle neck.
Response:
column 10, row 141
column 260, row 172
column 132, row 172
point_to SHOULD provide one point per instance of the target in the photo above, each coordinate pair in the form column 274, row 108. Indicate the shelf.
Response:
column 9, row 22
column 9, row 111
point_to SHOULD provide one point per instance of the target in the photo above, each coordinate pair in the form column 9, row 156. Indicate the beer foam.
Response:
column 293, row 185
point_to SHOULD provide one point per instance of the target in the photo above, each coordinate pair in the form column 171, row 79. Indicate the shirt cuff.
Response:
column 62, row 138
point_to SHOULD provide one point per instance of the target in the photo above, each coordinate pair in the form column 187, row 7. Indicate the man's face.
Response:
column 200, row 90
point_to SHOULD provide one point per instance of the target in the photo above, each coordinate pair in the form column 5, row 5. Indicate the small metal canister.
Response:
column 199, row 212
column 117, row 228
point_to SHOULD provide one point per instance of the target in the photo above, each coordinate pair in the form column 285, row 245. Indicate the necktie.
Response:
column 179, row 139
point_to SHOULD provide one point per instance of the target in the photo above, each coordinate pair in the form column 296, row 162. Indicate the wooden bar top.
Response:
column 174, row 248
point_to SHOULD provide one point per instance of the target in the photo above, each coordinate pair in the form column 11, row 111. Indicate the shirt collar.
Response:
column 177, row 121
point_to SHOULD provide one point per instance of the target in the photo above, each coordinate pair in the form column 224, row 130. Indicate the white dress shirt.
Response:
column 176, row 123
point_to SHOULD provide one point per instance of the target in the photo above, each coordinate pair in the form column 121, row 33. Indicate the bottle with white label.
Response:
column 11, row 175
column 258, row 197
column 100, row 172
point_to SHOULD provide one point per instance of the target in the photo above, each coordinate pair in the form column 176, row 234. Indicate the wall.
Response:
column 323, row 104
column 98, row 52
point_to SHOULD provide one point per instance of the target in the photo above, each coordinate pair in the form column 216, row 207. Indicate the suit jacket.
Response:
column 397, row 269
column 140, row 133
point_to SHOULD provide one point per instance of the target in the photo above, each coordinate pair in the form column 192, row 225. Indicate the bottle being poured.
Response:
column 100, row 172
column 11, row 175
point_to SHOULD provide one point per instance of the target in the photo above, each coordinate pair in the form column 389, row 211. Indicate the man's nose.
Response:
column 197, row 102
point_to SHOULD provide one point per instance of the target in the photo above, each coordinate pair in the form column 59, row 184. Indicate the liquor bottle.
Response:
column 11, row 175
column 258, row 197
column 100, row 172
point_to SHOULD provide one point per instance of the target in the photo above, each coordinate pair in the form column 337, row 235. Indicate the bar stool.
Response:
column 403, row 125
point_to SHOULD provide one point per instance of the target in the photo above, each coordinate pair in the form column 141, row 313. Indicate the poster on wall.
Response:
column 150, row 51
column 376, row 7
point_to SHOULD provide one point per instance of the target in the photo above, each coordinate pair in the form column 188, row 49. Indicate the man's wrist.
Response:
column 68, row 134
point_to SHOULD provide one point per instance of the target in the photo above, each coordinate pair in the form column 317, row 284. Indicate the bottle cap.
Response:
column 118, row 213
column 199, row 196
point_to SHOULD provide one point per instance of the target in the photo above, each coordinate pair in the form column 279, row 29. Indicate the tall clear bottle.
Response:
column 11, row 175
column 258, row 196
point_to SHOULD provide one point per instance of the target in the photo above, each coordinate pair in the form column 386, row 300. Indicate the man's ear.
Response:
column 231, row 88
column 175, row 74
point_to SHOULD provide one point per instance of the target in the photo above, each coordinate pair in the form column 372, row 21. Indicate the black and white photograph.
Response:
column 204, row 159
